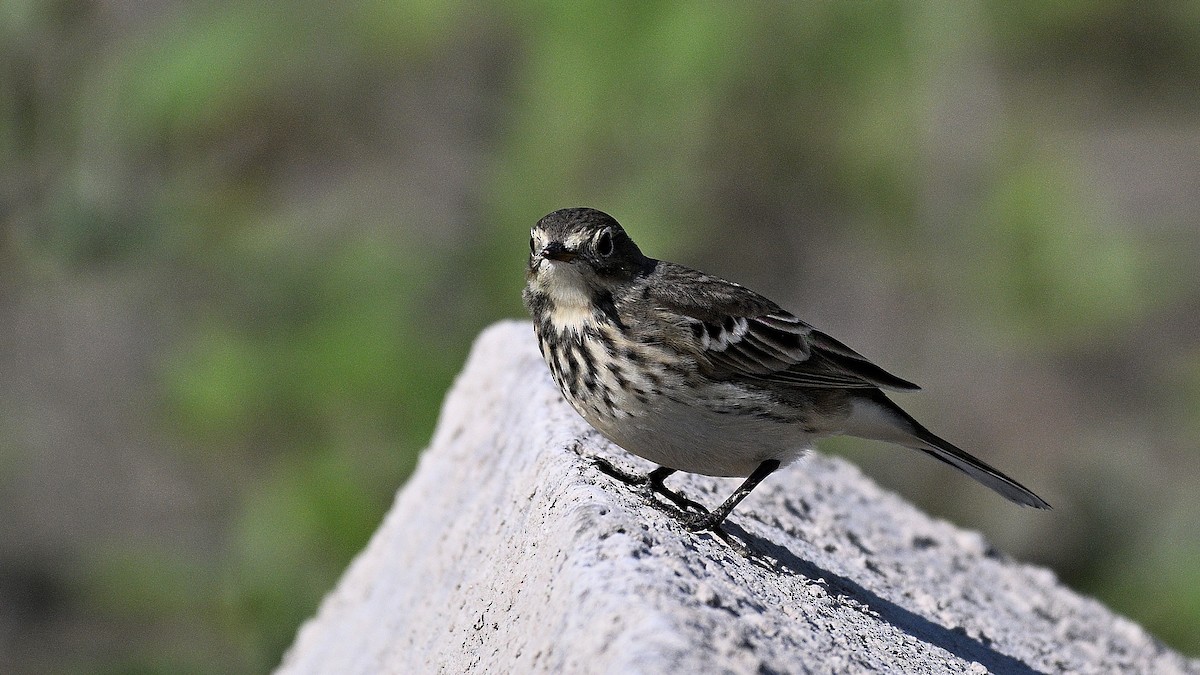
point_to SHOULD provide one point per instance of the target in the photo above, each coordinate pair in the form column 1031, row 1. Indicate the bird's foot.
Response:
column 622, row 475
column 652, row 483
column 693, row 515
column 703, row 522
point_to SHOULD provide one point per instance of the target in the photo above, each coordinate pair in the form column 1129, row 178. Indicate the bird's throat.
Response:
column 571, row 317
column 570, row 308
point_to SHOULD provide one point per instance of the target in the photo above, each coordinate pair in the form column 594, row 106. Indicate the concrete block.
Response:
column 509, row 552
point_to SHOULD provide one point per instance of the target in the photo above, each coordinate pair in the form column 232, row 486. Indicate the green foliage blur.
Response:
column 289, row 220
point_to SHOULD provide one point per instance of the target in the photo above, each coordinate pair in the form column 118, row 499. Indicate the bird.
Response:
column 699, row 374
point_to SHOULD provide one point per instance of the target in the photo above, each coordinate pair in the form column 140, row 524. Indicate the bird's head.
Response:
column 578, row 253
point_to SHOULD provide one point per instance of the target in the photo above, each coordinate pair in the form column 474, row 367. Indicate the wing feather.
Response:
column 741, row 333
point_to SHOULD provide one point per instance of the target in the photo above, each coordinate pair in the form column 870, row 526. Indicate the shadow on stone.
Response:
column 954, row 641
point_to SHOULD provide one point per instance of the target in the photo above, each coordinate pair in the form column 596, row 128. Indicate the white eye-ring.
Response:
column 604, row 243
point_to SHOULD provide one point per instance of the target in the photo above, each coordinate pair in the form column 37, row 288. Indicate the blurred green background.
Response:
column 245, row 246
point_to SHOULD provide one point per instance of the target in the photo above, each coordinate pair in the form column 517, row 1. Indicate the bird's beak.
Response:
column 556, row 251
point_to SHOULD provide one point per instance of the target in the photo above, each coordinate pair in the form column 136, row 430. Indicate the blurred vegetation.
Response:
column 254, row 240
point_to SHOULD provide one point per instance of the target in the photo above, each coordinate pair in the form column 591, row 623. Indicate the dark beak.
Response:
column 556, row 251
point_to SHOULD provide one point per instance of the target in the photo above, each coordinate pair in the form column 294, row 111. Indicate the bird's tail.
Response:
column 876, row 417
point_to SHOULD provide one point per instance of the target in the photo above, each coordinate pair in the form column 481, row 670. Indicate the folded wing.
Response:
column 741, row 333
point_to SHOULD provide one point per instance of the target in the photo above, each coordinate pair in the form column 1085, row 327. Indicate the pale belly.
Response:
column 721, row 440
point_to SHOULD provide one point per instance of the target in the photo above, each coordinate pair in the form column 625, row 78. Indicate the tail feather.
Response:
column 993, row 478
column 877, row 417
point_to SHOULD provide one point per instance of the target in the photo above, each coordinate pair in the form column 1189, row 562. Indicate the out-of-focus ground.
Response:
column 244, row 247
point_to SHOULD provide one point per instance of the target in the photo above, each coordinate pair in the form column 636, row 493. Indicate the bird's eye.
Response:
column 604, row 244
column 531, row 244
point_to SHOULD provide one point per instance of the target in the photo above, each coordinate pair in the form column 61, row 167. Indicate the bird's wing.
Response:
column 741, row 333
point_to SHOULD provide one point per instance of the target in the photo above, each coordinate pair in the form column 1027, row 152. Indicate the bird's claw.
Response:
column 702, row 522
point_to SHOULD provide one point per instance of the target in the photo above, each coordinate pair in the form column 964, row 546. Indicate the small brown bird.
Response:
column 698, row 374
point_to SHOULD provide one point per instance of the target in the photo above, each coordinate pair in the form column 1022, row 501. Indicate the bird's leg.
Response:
column 713, row 519
column 654, row 481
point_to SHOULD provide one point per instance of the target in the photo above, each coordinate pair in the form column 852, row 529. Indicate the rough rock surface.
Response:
column 508, row 551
